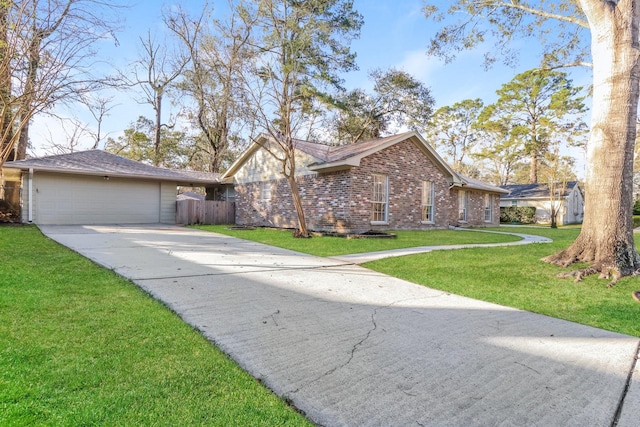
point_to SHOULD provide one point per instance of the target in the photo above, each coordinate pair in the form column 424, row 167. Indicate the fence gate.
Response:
column 210, row 212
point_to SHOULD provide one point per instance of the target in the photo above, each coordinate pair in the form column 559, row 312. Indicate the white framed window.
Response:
column 428, row 197
column 488, row 208
column 463, row 200
column 265, row 191
column 514, row 203
column 380, row 199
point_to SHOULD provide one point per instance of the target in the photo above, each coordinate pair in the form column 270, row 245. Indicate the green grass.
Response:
column 332, row 246
column 515, row 277
column 79, row 345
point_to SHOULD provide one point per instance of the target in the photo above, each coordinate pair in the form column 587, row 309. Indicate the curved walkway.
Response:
column 352, row 347
column 372, row 256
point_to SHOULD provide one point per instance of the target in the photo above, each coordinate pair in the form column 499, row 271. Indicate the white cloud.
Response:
column 419, row 65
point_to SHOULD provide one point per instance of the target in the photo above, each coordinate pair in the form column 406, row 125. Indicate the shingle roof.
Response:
column 533, row 191
column 98, row 162
column 476, row 184
column 329, row 153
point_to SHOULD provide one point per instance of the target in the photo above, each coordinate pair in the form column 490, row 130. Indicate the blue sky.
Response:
column 395, row 34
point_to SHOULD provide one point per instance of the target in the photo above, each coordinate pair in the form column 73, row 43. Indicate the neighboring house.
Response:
column 96, row 187
column 571, row 202
column 398, row 182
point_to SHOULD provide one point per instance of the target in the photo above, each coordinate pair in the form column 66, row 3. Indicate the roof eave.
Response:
column 345, row 164
column 187, row 181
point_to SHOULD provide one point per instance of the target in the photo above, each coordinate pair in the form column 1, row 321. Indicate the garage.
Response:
column 96, row 187
column 69, row 199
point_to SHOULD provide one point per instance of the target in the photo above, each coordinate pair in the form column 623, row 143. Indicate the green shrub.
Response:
column 636, row 221
column 636, row 207
column 518, row 214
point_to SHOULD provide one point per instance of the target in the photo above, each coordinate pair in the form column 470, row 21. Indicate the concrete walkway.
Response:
column 527, row 239
column 352, row 347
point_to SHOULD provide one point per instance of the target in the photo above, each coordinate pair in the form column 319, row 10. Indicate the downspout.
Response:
column 30, row 214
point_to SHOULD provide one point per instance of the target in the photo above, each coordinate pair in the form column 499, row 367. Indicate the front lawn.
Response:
column 332, row 246
column 79, row 345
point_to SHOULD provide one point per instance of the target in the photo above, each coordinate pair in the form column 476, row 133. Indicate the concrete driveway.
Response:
column 348, row 346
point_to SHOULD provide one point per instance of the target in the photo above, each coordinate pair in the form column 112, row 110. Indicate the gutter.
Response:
column 30, row 214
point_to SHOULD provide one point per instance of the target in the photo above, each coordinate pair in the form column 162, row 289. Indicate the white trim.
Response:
column 30, row 211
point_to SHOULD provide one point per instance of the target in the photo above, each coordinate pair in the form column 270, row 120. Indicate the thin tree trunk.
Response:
column 156, row 128
column 606, row 239
column 533, row 169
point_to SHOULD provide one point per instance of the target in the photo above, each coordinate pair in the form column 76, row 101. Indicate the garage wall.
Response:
column 80, row 199
column 168, row 194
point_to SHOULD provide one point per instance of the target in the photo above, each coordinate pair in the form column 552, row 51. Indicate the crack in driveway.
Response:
column 354, row 348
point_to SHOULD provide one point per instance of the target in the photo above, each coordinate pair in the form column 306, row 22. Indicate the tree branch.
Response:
column 513, row 5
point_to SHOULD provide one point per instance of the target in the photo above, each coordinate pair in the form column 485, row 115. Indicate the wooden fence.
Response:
column 205, row 212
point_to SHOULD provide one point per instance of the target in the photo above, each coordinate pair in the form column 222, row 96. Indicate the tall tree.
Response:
column 218, row 49
column 155, row 72
column 137, row 143
column 46, row 56
column 499, row 153
column 302, row 46
column 538, row 104
column 452, row 130
column 398, row 100
column 614, row 52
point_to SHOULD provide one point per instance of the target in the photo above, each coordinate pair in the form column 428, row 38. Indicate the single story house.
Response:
column 397, row 182
column 96, row 187
column 571, row 209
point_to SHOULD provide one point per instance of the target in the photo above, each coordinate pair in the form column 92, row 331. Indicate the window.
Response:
column 514, row 203
column 488, row 207
column 265, row 191
column 428, row 196
column 462, row 205
column 379, row 199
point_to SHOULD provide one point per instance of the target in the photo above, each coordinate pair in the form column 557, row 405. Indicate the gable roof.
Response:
column 330, row 158
column 99, row 162
column 534, row 191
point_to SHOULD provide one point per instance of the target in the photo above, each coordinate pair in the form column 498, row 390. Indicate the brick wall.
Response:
column 475, row 209
column 341, row 201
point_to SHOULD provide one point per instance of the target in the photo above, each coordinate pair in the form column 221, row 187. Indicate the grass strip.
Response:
column 79, row 345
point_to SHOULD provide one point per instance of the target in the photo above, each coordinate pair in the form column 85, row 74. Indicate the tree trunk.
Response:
column 23, row 141
column 606, row 239
column 6, row 117
column 297, row 203
column 156, row 128
column 533, row 169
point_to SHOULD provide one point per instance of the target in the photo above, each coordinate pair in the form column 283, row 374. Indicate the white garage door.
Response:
column 75, row 199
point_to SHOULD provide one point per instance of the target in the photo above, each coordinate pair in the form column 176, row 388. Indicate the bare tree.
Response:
column 157, row 69
column 46, row 57
column 218, row 50
column 74, row 133
column 99, row 108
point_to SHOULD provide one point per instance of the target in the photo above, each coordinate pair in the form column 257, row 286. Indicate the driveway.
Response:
column 348, row 346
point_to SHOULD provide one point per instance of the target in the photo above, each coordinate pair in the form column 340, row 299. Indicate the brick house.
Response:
column 393, row 183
